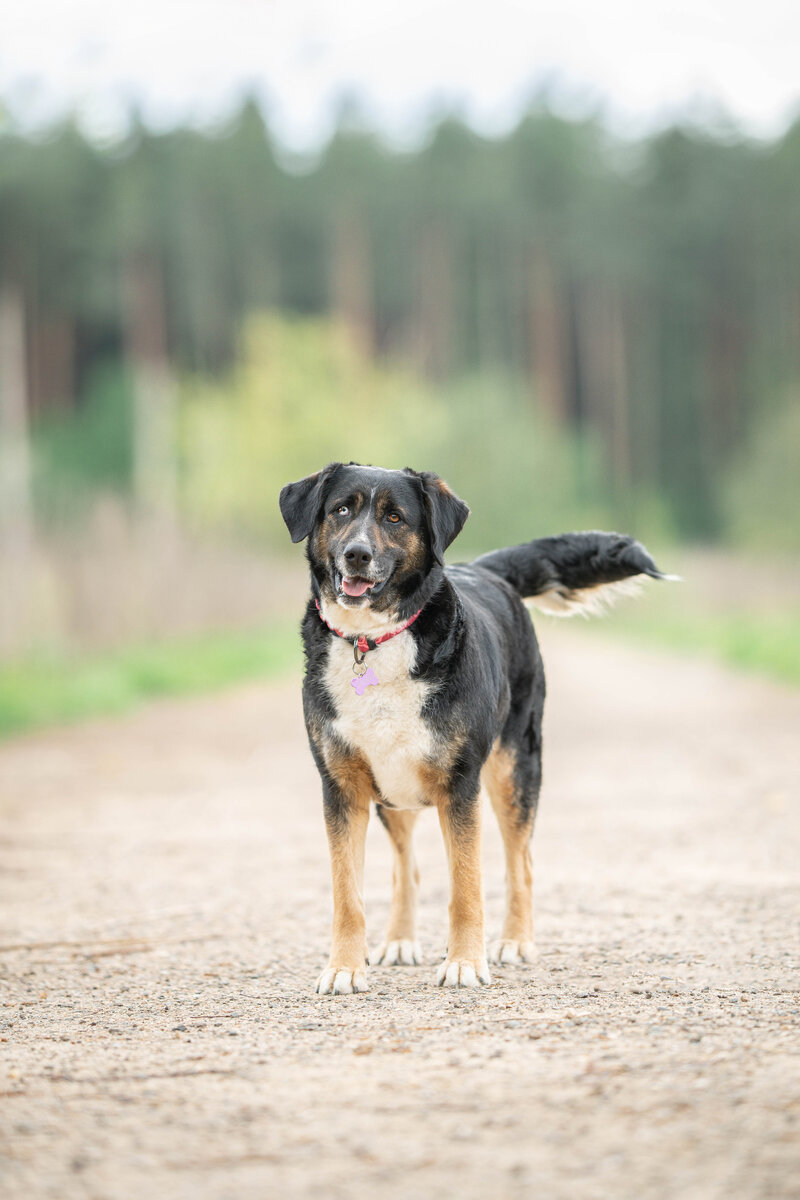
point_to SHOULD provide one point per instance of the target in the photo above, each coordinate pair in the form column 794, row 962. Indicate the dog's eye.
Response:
column 342, row 510
column 394, row 517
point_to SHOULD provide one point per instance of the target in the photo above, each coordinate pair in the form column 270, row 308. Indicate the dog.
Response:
column 423, row 683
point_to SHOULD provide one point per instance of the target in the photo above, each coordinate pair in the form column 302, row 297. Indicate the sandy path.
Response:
column 166, row 910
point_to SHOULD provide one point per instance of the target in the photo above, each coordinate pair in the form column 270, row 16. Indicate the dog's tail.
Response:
column 574, row 572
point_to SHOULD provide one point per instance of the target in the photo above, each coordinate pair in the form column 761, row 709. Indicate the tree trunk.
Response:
column 16, row 508
column 351, row 285
column 434, row 303
column 16, row 511
column 620, row 400
column 155, row 468
column 603, row 349
column 547, row 339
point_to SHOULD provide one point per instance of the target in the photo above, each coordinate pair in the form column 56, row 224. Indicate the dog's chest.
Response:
column 385, row 722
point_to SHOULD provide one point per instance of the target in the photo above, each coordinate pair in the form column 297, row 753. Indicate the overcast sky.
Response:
column 644, row 61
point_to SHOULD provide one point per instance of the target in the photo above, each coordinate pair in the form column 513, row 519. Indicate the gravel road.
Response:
column 166, row 908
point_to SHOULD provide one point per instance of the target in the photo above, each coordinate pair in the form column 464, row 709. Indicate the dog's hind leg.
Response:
column 465, row 962
column 400, row 947
column 512, row 780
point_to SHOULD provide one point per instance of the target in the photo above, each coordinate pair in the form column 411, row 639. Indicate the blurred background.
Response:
column 551, row 253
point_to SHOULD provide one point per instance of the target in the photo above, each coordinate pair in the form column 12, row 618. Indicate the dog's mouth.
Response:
column 356, row 587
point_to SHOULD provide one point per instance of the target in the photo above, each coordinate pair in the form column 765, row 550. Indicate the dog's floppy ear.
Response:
column 301, row 501
column 445, row 512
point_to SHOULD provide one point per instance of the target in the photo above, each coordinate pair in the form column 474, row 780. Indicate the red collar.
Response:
column 363, row 643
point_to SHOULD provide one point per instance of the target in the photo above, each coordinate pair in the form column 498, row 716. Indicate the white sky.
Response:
column 645, row 61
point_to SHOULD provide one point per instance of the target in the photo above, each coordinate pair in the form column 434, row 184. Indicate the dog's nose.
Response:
column 357, row 556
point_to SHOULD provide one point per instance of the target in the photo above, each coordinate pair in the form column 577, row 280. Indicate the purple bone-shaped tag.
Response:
column 362, row 682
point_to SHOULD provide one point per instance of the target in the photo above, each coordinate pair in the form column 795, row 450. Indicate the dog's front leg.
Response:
column 465, row 963
column 346, row 824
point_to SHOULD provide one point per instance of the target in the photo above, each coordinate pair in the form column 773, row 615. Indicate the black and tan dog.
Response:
column 422, row 683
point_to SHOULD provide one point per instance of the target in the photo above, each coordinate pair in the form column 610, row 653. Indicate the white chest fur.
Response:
column 385, row 723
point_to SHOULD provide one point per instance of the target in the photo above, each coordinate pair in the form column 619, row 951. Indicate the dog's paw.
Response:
column 401, row 953
column 463, row 972
column 510, row 953
column 342, row 981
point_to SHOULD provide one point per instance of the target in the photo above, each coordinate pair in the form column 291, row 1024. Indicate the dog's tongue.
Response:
column 355, row 587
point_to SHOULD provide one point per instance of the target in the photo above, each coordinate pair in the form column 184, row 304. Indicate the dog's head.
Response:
column 374, row 536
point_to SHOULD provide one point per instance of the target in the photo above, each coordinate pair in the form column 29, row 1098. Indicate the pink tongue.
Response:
column 355, row 587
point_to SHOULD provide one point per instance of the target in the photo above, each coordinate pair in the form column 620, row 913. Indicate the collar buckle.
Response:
column 356, row 647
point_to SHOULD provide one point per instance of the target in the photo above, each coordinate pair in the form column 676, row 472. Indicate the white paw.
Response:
column 506, row 952
column 402, row 953
column 462, row 972
column 341, row 981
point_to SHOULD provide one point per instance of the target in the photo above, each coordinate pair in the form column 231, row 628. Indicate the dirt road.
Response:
column 166, row 911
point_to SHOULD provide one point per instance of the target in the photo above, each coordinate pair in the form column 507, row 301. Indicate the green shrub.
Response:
column 79, row 453
column 761, row 492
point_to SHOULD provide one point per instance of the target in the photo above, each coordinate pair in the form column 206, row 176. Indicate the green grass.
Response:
column 46, row 690
column 767, row 643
